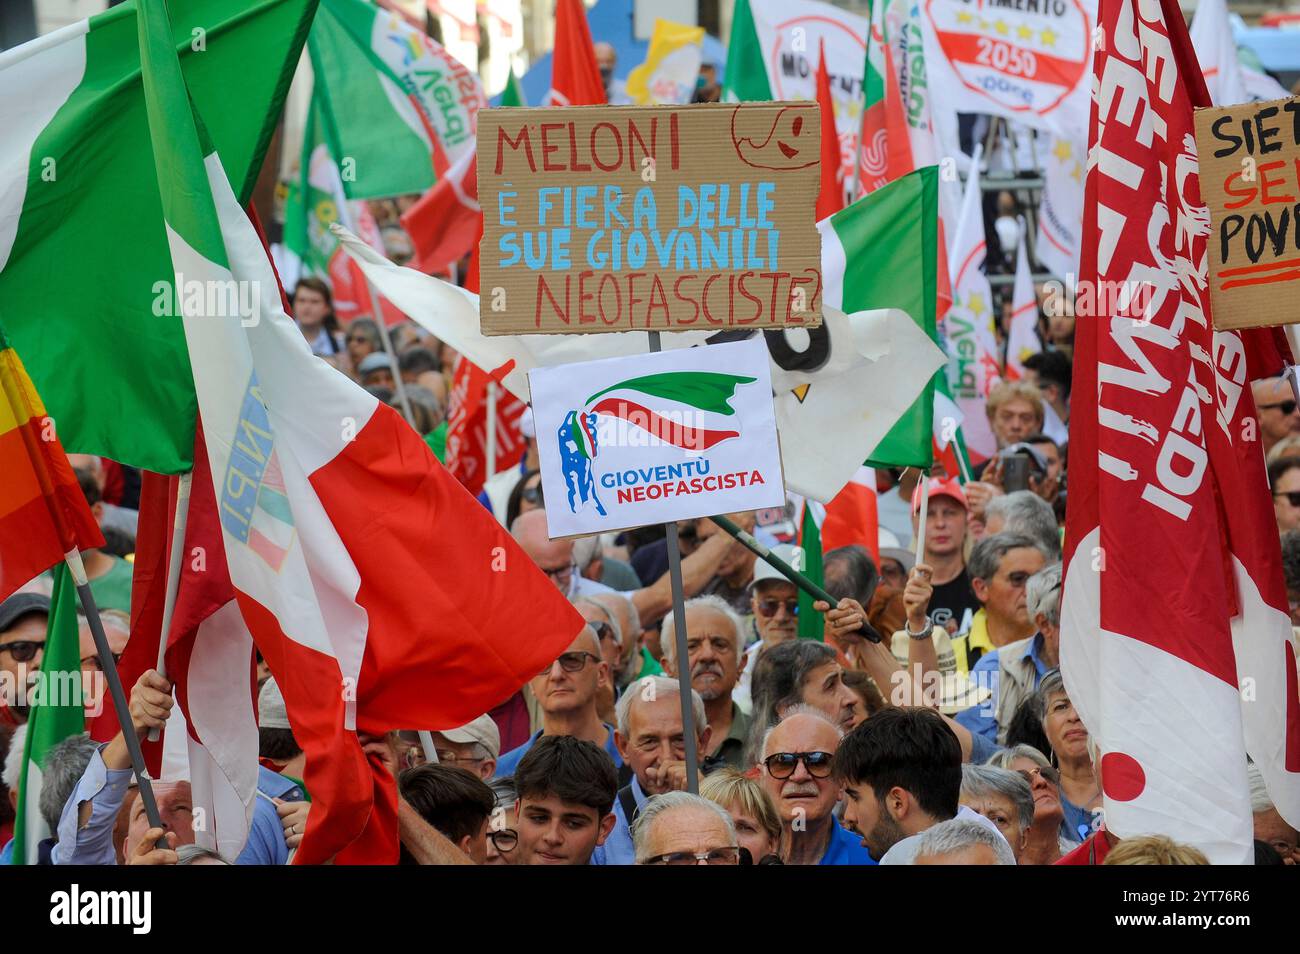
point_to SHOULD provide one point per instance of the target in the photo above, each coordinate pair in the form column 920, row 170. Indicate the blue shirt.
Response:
column 507, row 764
column 618, row 848
column 266, row 844
column 981, row 720
column 845, row 848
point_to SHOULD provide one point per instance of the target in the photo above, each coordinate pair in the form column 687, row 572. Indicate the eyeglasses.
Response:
column 23, row 650
column 93, row 658
column 716, row 856
column 560, row 575
column 504, row 841
column 769, row 607
column 782, row 764
column 361, row 338
column 532, row 494
column 571, row 662
column 452, row 758
column 1292, row 496
column 1048, row 773
column 1286, row 407
column 603, row 630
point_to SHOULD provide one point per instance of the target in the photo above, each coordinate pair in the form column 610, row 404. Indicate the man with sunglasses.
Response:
column 1279, row 416
column 1284, row 481
column 566, row 691
column 798, row 757
column 774, row 601
column 23, row 619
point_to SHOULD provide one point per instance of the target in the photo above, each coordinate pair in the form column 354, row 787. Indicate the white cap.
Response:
column 482, row 730
column 527, row 426
column 271, row 710
column 788, row 552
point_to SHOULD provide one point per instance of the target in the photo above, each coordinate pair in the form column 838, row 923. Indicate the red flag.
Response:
column 447, row 220
column 575, row 78
column 851, row 516
column 830, row 198
column 1175, row 628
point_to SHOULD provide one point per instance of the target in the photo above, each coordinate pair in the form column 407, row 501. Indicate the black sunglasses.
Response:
column 571, row 662
column 603, row 630
column 23, row 650
column 769, row 607
column 783, row 764
column 1292, row 496
column 1286, row 407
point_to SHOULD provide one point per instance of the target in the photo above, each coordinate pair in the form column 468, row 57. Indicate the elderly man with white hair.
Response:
column 715, row 656
column 960, row 841
column 679, row 828
column 1270, row 826
column 1012, row 673
column 652, row 742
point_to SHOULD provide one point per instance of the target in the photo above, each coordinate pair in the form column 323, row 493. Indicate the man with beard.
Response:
column 798, row 755
column 901, row 774
column 652, row 742
column 715, row 657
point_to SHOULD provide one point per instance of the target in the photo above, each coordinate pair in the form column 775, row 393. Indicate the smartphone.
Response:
column 1015, row 473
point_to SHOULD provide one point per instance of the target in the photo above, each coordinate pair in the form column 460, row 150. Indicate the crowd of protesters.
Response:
column 929, row 725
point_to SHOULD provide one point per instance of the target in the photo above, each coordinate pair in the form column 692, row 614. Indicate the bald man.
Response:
column 567, row 692
column 1279, row 416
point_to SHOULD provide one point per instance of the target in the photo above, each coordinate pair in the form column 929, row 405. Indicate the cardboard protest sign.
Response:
column 650, row 438
column 649, row 218
column 1250, row 180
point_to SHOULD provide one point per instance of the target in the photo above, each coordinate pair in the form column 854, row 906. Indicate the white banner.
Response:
column 652, row 438
column 790, row 33
column 1027, row 60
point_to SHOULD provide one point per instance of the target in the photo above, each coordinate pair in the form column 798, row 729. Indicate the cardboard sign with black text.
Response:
column 649, row 218
column 1250, row 180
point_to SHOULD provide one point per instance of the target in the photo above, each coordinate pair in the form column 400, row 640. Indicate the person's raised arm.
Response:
column 654, row 601
column 425, row 843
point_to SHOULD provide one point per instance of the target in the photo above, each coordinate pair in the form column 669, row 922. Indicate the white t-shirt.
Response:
column 904, row 852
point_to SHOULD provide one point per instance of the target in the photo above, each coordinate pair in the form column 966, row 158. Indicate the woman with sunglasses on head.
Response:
column 1047, row 839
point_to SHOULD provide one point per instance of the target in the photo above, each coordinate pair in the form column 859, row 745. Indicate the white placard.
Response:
column 651, row 438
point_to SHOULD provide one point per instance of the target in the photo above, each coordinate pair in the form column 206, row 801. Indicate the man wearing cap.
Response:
column 474, row 746
column 23, row 619
column 375, row 370
column 774, row 601
column 952, row 600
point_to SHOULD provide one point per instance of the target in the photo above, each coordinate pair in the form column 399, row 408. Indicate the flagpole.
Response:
column 426, row 743
column 681, row 654
column 179, row 522
column 925, row 509
column 491, row 436
column 751, row 543
column 109, row 668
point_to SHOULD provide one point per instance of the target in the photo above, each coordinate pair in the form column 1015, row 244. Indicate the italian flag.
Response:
column 393, row 100
column 880, row 252
column 57, row 712
column 694, row 398
column 363, row 570
column 84, row 266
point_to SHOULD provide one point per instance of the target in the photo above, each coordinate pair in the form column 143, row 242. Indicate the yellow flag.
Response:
column 671, row 66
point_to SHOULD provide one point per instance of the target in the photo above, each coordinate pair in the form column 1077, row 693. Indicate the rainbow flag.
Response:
column 43, row 514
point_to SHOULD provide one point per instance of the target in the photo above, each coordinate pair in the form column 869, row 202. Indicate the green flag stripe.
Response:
column 53, row 717
column 706, row 390
column 746, row 79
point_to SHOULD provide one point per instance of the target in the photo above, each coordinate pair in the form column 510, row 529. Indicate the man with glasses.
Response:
column 23, row 619
column 117, row 627
column 1000, row 566
column 774, row 601
column 566, row 692
column 553, row 557
column 652, row 742
column 475, row 747
column 1284, row 481
column 610, row 634
column 1279, row 415
column 679, row 828
column 1012, row 672
column 797, row 757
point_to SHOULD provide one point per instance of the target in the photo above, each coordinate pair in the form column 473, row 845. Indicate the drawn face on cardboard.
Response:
column 790, row 140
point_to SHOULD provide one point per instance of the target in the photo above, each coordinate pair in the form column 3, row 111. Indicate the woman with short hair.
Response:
column 758, row 825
